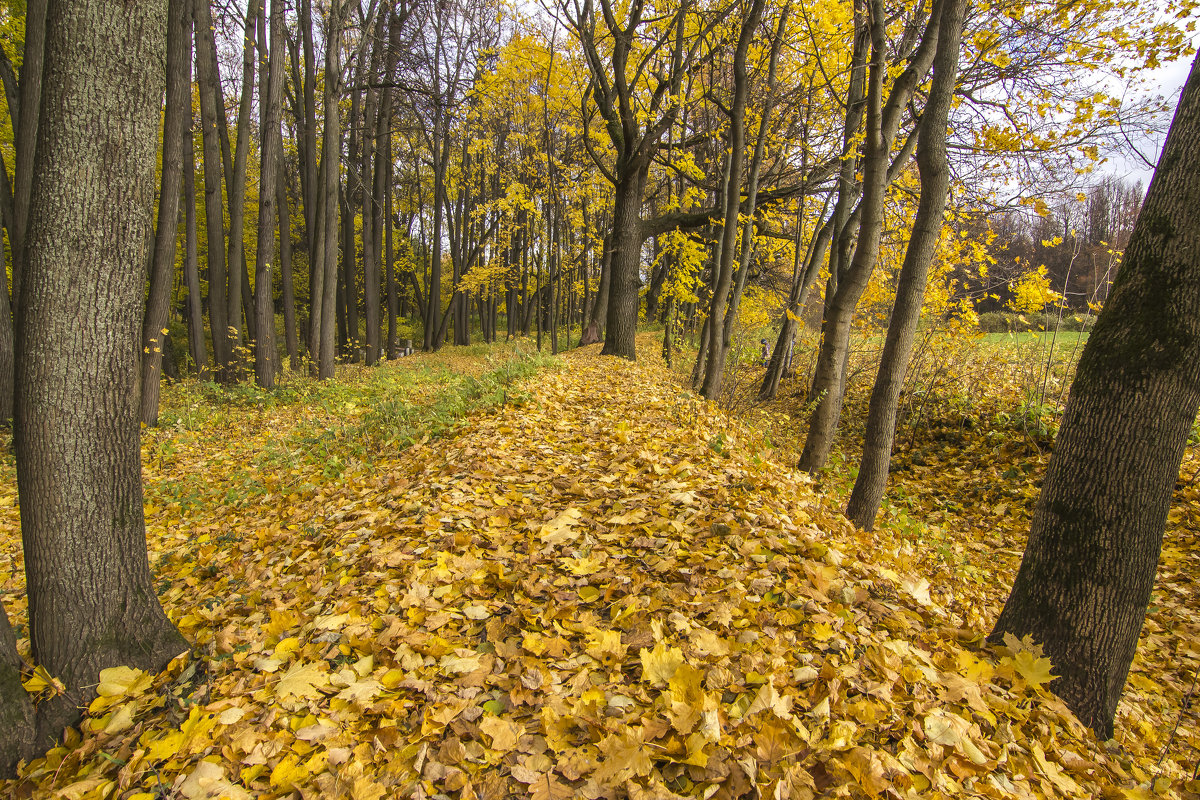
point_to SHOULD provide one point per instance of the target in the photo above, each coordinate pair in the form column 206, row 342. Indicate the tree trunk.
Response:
column 829, row 382
column 17, row 721
column 910, row 289
column 91, row 597
column 349, row 262
column 393, row 305
column 623, row 285
column 268, row 206
column 285, row 263
column 209, row 81
column 715, row 363
column 237, row 191
column 309, row 172
column 191, row 258
column 25, row 136
column 331, row 162
column 594, row 331
column 433, row 312
column 1088, row 570
column 162, row 268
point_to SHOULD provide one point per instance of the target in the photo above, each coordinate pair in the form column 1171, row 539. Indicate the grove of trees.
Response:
column 368, row 172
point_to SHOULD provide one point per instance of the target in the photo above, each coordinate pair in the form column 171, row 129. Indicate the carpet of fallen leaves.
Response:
column 604, row 588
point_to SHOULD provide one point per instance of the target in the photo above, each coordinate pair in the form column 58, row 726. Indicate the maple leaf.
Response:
column 1033, row 670
column 303, row 681
column 561, row 529
column 625, row 756
column 502, row 732
column 208, row 782
column 659, row 664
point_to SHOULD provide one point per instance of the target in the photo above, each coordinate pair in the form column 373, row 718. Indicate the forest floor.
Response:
column 483, row 574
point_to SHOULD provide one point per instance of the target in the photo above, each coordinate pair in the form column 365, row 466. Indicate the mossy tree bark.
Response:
column 1088, row 570
column 91, row 597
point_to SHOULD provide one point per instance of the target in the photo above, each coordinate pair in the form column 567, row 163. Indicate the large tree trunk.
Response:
column 209, row 81
column 910, row 289
column 1094, row 542
column 624, row 282
column 268, row 205
column 91, row 597
column 162, row 268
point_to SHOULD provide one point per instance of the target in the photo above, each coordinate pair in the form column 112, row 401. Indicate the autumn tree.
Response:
column 1088, row 570
column 635, row 91
column 934, row 168
column 91, row 598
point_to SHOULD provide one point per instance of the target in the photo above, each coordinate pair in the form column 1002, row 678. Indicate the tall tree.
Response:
column 883, row 118
column 209, row 82
column 235, row 187
column 934, row 167
column 91, row 597
column 268, row 207
column 635, row 118
column 1088, row 570
column 162, row 264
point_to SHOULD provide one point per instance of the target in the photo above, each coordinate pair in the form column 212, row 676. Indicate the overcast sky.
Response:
column 1166, row 81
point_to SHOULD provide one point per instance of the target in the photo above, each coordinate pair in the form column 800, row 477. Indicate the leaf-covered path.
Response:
column 606, row 589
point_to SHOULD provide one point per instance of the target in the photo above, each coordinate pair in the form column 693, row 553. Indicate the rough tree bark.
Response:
column 1088, row 570
column 91, row 598
column 934, row 167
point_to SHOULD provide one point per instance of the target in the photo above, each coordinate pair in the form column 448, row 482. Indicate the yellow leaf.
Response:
column 659, row 664
column 122, row 681
column 503, row 733
column 208, row 782
column 561, row 528
column 1034, row 671
column 605, row 645
column 122, row 719
column 302, row 680
column 288, row 773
